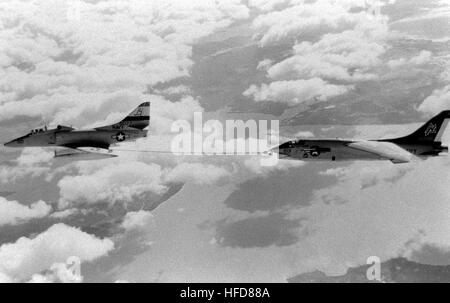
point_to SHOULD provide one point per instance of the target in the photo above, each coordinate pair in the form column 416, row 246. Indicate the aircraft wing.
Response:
column 83, row 154
column 385, row 150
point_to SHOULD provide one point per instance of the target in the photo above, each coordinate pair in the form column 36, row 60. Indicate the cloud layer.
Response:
column 28, row 256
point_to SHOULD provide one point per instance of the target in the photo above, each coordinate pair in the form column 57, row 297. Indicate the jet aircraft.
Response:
column 424, row 142
column 80, row 142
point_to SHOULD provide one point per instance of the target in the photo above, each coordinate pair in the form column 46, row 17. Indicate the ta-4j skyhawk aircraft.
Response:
column 78, row 143
column 425, row 142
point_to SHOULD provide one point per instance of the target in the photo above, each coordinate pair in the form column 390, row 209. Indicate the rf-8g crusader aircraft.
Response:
column 87, row 143
column 424, row 142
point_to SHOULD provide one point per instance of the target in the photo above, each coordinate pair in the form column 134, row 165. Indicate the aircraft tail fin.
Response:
column 429, row 132
column 139, row 118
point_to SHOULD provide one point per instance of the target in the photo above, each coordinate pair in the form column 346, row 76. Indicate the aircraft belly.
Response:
column 346, row 153
column 80, row 139
column 336, row 153
column 95, row 138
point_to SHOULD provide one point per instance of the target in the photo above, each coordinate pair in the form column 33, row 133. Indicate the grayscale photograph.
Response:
column 224, row 141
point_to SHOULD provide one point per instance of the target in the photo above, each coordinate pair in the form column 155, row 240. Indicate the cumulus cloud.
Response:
column 164, row 113
column 304, row 134
column 356, row 217
column 197, row 173
column 268, row 5
column 12, row 212
column 120, row 182
column 64, row 213
column 32, row 162
column 137, row 219
column 28, row 256
column 345, row 56
column 422, row 58
column 312, row 18
column 69, row 69
column 438, row 101
column 295, row 91
column 32, row 156
column 341, row 42
column 59, row 273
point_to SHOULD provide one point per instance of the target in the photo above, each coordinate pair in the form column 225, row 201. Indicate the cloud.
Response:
column 304, row 134
column 58, row 272
column 197, row 173
column 345, row 56
column 5, row 278
column 32, row 162
column 68, row 69
column 64, row 213
column 438, row 101
column 295, row 91
column 267, row 5
column 341, row 42
column 422, row 58
column 310, row 19
column 13, row 213
column 33, row 156
column 164, row 113
column 137, row 219
column 28, row 256
column 374, row 209
column 121, row 182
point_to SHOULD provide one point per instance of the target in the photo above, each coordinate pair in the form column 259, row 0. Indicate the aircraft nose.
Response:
column 280, row 149
column 11, row 143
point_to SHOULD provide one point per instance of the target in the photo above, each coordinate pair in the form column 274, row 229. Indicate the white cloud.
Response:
column 422, row 58
column 5, row 278
column 164, row 113
column 137, row 219
column 345, row 56
column 295, row 91
column 28, row 256
column 438, row 101
column 267, row 5
column 197, row 173
column 264, row 64
column 304, row 134
column 121, row 182
column 341, row 43
column 68, row 70
column 10, row 174
column 310, row 18
column 58, row 272
column 32, row 162
column 33, row 156
column 374, row 210
column 64, row 213
column 12, row 212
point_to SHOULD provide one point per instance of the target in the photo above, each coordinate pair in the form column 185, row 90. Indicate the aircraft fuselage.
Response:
column 338, row 150
column 77, row 138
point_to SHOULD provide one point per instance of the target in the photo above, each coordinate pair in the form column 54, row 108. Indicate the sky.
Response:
column 324, row 68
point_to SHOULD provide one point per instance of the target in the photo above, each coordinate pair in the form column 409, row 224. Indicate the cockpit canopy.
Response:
column 44, row 129
column 293, row 144
column 39, row 130
column 64, row 128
